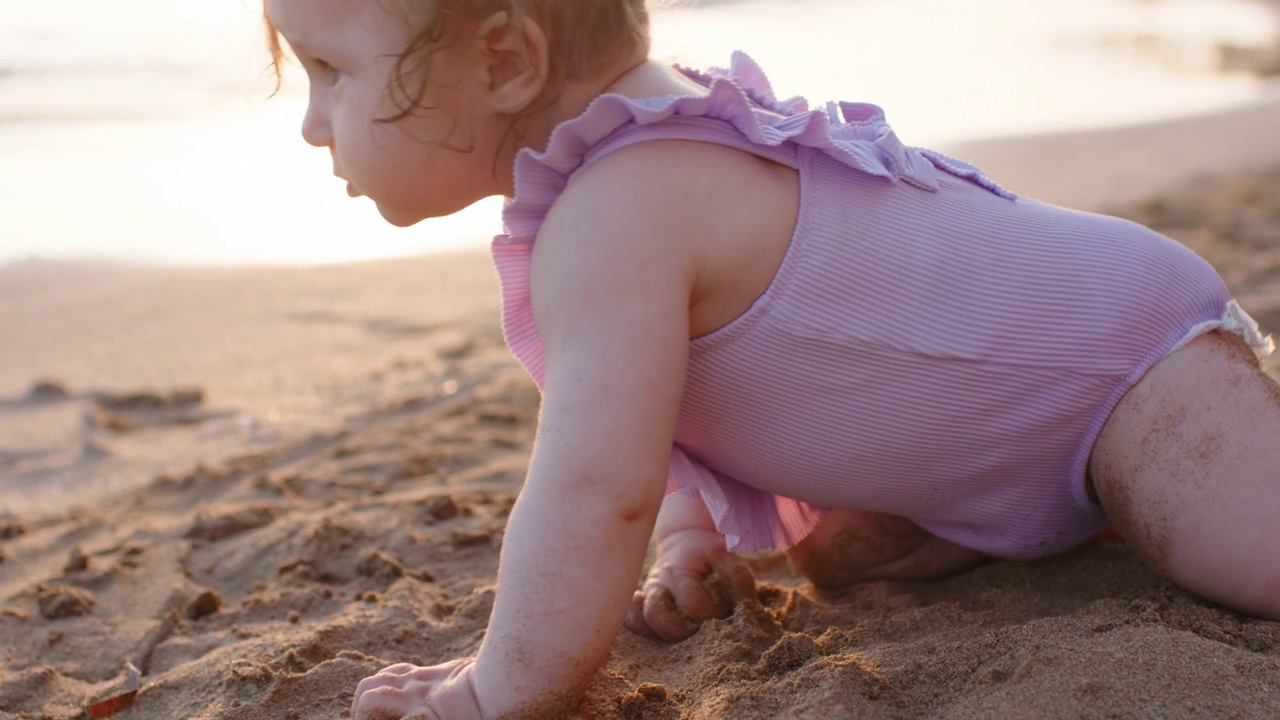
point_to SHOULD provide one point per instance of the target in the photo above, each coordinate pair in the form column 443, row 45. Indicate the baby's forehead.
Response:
column 303, row 22
column 296, row 19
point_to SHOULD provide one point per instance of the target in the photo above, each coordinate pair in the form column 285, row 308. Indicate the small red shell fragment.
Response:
column 114, row 704
column 111, row 706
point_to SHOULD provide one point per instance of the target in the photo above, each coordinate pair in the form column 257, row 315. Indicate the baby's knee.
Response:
column 1251, row 590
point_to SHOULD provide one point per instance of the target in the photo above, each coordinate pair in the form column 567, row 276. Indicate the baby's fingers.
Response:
column 635, row 621
column 664, row 618
column 701, row 599
column 382, row 702
column 403, row 690
column 716, row 594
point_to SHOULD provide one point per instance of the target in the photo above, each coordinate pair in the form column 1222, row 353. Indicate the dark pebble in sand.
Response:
column 77, row 561
column 470, row 538
column 206, row 603
column 217, row 527
column 46, row 390
column 11, row 527
column 380, row 566
column 443, row 508
column 61, row 601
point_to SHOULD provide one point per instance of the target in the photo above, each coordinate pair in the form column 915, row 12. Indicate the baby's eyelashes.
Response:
column 328, row 71
column 316, row 67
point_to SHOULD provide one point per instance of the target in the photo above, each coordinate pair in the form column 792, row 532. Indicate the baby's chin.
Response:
column 402, row 218
column 398, row 217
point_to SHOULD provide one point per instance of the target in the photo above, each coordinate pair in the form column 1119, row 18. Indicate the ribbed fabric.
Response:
column 931, row 346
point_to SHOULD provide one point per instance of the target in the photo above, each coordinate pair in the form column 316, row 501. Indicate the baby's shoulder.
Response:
column 670, row 166
column 685, row 190
column 719, row 218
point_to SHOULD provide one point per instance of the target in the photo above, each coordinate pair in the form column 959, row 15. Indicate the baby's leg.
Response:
column 850, row 546
column 1188, row 470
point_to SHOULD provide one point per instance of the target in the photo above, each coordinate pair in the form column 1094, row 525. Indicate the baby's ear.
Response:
column 514, row 51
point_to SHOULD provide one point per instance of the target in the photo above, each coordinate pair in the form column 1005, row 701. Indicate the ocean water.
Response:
column 144, row 130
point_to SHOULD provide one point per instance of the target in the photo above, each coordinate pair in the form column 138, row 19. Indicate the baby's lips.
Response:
column 351, row 189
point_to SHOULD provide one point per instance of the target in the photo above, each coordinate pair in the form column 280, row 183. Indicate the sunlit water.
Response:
column 142, row 130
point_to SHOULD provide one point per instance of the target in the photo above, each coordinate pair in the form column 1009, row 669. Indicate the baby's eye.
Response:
column 328, row 70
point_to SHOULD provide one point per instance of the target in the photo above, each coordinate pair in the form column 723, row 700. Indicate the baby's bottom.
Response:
column 851, row 546
column 1187, row 469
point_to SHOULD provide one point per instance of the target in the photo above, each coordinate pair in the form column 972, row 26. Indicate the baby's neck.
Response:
column 639, row 77
column 636, row 79
column 651, row 78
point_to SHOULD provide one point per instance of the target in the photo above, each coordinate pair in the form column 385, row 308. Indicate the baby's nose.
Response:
column 315, row 129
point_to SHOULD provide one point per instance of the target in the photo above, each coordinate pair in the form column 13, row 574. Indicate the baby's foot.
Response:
column 850, row 546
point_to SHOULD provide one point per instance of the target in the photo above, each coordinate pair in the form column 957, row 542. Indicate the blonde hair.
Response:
column 584, row 38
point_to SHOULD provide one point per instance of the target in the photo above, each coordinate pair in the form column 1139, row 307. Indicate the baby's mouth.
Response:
column 352, row 191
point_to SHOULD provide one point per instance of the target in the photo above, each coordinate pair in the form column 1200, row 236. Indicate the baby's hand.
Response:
column 439, row 692
column 694, row 580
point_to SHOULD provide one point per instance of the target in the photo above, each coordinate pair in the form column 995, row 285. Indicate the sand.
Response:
column 259, row 486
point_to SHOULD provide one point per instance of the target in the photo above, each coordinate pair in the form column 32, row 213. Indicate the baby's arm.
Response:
column 611, row 297
column 574, row 545
column 612, row 283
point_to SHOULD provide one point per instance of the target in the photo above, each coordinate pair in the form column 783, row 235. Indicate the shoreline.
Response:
column 216, row 175
column 1097, row 170
column 1094, row 170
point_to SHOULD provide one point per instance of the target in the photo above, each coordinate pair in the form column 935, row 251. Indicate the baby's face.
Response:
column 434, row 162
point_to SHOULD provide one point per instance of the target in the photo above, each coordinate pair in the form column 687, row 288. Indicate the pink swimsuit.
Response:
column 931, row 346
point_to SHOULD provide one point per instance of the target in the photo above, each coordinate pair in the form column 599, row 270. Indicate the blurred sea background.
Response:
column 145, row 131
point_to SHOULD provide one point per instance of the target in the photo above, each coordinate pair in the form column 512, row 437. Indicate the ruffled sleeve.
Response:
column 739, row 97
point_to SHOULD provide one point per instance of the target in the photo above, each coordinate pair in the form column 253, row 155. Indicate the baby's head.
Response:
column 422, row 103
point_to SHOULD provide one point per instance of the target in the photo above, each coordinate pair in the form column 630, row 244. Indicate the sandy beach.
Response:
column 255, row 486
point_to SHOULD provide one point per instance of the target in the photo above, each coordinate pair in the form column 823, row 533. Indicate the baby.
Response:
column 797, row 330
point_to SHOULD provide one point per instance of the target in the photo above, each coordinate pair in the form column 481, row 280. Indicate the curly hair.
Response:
column 584, row 37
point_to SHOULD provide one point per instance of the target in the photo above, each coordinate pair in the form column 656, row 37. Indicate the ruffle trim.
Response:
column 855, row 134
column 749, row 519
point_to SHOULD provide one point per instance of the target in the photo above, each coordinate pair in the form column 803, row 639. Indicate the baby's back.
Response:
column 929, row 346
column 948, row 356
